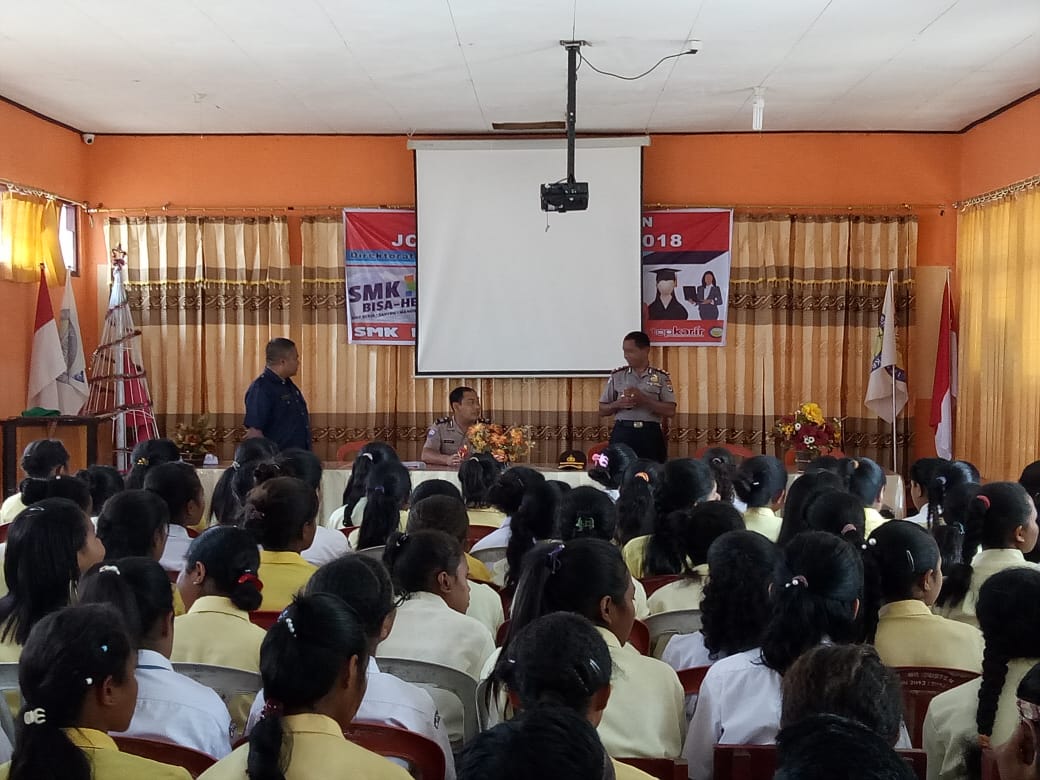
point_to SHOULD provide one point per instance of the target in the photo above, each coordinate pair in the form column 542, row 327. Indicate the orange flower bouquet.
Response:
column 504, row 443
column 194, row 439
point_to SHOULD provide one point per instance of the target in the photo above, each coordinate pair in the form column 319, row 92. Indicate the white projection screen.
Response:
column 501, row 295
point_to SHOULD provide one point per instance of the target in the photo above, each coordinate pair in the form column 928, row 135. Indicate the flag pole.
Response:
column 895, row 457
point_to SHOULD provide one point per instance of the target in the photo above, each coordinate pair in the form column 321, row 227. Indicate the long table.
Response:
column 335, row 476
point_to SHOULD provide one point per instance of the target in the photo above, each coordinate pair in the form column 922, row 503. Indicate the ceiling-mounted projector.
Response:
column 569, row 195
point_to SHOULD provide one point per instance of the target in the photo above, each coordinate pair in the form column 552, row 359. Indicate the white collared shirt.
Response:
column 497, row 538
column 921, row 518
column 328, row 545
column 686, row 651
column 174, row 708
column 390, row 701
column 177, row 543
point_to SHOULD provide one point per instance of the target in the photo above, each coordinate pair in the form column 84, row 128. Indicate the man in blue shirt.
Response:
column 274, row 405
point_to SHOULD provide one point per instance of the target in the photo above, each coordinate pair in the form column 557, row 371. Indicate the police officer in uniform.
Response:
column 448, row 434
column 275, row 407
column 639, row 396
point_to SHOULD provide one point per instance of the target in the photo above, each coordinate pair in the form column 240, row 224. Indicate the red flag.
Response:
column 47, row 362
column 944, row 386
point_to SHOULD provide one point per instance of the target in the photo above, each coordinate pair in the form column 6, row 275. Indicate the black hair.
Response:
column 41, row 565
column 386, row 493
column 846, row 680
column 364, row 585
column 586, row 512
column 638, row 338
column 822, row 747
column 226, row 502
column 177, row 484
column 818, row 581
column 735, row 605
column 568, row 577
column 944, row 478
column 704, row 278
column 538, row 743
column 949, row 533
column 760, row 480
column 865, row 478
column 278, row 509
column 477, row 474
column 440, row 513
column 371, row 454
column 433, row 487
column 277, row 349
column 558, row 659
column 683, row 483
column 1029, row 688
column 42, row 457
column 229, row 554
column 138, row 587
column 619, row 458
column 71, row 488
column 301, row 659
column 993, row 515
column 302, row 464
column 456, row 395
column 103, row 483
column 130, row 523
column 415, row 560
column 1030, row 480
column 834, row 511
column 68, row 654
column 723, row 465
column 635, row 503
column 532, row 522
column 903, row 552
column 803, row 491
column 508, row 491
column 1008, row 611
column 824, row 463
column 923, row 469
column 148, row 454
column 682, row 539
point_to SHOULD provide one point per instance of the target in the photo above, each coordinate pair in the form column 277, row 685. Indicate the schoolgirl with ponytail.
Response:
column 313, row 663
column 723, row 465
column 866, row 481
column 386, row 496
column 41, row 459
column 147, row 455
column 477, row 474
column 506, row 495
column 635, row 503
column 984, row 712
column 1001, row 520
column 909, row 570
column 760, row 483
column 371, row 455
column 77, row 683
column 226, row 503
column 609, row 466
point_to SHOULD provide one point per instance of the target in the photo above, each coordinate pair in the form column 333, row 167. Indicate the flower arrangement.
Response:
column 504, row 443
column 808, row 430
column 194, row 439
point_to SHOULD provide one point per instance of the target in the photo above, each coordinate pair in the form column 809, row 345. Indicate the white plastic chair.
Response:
column 489, row 556
column 227, row 682
column 431, row 675
column 9, row 682
column 666, row 624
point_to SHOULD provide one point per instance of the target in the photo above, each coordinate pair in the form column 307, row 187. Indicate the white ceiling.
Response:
column 456, row 66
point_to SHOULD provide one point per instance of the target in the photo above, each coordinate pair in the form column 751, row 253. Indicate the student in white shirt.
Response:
column 815, row 596
column 1002, row 520
column 644, row 717
column 760, row 482
column 41, row 459
column 1030, row 480
column 608, row 468
column 170, row 706
column 983, row 712
column 386, row 495
column 179, row 486
column 134, row 523
column 428, row 570
column 532, row 522
column 364, row 585
column 921, row 473
column 680, row 546
column 104, row 482
column 146, row 456
column 477, row 475
column 226, row 502
column 370, row 455
column 506, row 495
column 946, row 478
column 866, row 481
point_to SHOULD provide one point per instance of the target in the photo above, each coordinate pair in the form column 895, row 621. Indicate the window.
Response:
column 68, row 237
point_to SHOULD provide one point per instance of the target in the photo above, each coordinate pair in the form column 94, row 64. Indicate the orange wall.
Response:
column 1001, row 151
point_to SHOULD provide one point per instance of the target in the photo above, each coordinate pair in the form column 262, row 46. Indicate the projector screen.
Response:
column 505, row 289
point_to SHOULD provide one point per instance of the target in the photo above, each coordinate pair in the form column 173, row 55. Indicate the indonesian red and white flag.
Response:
column 944, row 386
column 47, row 363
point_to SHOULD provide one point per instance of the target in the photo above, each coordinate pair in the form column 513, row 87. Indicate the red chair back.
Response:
column 990, row 770
column 347, row 530
column 920, row 686
column 661, row 768
column 758, row 762
column 4, row 530
column 166, row 753
column 502, row 633
column 651, row 584
column 478, row 532
column 424, row 756
column 264, row 618
column 691, row 679
column 640, row 637
column 193, row 533
column 347, row 452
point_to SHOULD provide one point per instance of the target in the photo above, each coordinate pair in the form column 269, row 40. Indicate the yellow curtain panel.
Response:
column 29, row 237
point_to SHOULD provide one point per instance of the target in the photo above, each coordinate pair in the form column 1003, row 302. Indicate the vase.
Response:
column 802, row 458
column 193, row 459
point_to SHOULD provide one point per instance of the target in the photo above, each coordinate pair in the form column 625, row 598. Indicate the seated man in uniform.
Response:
column 448, row 434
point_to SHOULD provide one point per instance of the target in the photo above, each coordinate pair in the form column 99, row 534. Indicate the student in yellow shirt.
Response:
column 281, row 513
column 313, row 664
column 560, row 660
column 760, row 483
column 41, row 459
column 50, row 545
column 800, row 496
column 477, row 474
column 866, row 481
column 77, row 679
column 134, row 523
column 837, row 512
column 226, row 503
column 909, row 570
column 635, row 502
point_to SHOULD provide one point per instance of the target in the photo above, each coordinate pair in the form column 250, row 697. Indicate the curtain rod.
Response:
column 25, row 189
column 801, row 206
column 1012, row 189
column 168, row 207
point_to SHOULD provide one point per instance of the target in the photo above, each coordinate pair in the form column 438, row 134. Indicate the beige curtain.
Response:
column 998, row 269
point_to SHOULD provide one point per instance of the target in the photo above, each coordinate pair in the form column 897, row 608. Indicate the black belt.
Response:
column 637, row 424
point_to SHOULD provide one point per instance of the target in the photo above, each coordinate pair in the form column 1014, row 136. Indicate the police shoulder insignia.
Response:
column 442, row 420
column 431, row 433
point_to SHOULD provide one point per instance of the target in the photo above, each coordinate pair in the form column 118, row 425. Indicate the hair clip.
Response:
column 34, row 508
column 716, row 461
column 910, row 560
column 869, row 543
column 984, row 500
column 366, row 455
column 601, row 460
column 846, row 528
column 585, row 523
column 104, row 648
column 271, row 707
column 284, row 618
column 142, row 462
column 797, row 580
column 755, row 483
column 89, row 680
column 236, row 465
column 554, row 558
column 379, row 489
column 36, row 716
column 594, row 665
column 248, row 577
column 401, row 540
column 941, row 481
column 855, row 463
column 109, row 567
column 643, row 476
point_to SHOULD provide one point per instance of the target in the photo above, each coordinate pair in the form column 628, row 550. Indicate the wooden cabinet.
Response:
column 88, row 440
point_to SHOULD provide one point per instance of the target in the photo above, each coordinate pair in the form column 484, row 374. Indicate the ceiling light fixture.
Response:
column 758, row 106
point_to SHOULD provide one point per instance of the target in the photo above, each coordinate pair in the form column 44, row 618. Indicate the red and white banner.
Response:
column 380, row 276
column 685, row 274
column 944, row 385
column 47, row 363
